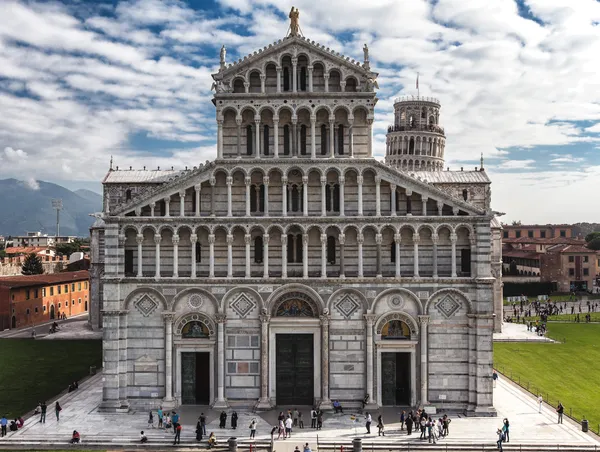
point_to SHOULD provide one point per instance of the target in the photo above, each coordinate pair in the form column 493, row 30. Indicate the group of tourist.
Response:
column 170, row 421
column 420, row 421
column 12, row 427
column 503, row 434
column 42, row 408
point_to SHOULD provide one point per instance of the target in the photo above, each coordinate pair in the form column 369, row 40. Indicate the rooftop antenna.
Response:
column 418, row 85
column 481, row 169
column 111, row 162
column 58, row 205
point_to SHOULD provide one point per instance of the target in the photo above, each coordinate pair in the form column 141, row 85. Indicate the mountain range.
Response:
column 27, row 206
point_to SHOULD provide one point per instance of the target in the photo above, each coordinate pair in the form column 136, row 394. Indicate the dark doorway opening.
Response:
column 128, row 262
column 395, row 379
column 52, row 312
column 13, row 322
column 195, row 378
column 294, row 369
column 465, row 262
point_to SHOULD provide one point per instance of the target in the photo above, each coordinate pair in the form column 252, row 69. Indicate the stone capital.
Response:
column 398, row 238
column 305, row 239
column 211, row 238
column 342, row 239
column 121, row 239
column 229, row 239
column 263, row 77
column 378, row 238
column 157, row 238
column 139, row 239
column 229, row 180
column 246, row 85
column 323, row 180
column 424, row 319
column 238, row 121
column 266, row 238
column 324, row 319
column 247, row 180
column 264, row 318
column 213, row 181
column 198, row 188
column 175, row 239
column 360, row 180
column 408, row 192
column 393, row 187
column 276, row 120
column 342, row 180
column 220, row 317
column 182, row 193
column 455, row 210
column 360, row 238
column 305, row 180
column 323, row 239
column 284, row 180
column 168, row 316
column 370, row 319
column 284, row 239
column 247, row 239
column 193, row 238
column 377, row 180
column 453, row 237
column 266, row 180
column 138, row 211
column 416, row 237
column 435, row 237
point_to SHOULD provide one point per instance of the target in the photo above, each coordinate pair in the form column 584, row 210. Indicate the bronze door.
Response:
column 395, row 379
column 294, row 369
column 195, row 378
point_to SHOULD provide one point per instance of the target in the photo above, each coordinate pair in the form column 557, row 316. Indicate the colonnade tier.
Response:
column 238, row 252
column 417, row 145
column 415, row 164
column 312, row 193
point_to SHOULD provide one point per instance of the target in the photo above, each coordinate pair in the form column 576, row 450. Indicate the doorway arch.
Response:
column 52, row 312
column 13, row 322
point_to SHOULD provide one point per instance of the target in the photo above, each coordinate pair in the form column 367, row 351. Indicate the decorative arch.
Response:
column 162, row 227
column 401, row 291
column 127, row 226
column 146, row 300
column 398, row 315
column 345, row 306
column 452, row 292
column 205, row 295
column 147, row 226
column 286, row 292
column 243, row 300
column 195, row 317
column 426, row 226
column 467, row 227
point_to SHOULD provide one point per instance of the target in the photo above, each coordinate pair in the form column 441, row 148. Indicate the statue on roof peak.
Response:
column 294, row 21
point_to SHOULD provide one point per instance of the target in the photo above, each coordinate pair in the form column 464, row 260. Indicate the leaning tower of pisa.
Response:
column 415, row 142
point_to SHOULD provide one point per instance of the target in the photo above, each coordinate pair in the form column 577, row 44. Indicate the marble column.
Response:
column 229, row 255
column 342, row 240
column 424, row 201
column 393, row 199
column 247, row 241
column 331, row 138
column 157, row 239
column 313, row 144
column 262, row 83
column 294, row 136
column 351, row 137
column 473, row 263
column 276, row 136
column 139, row 238
column 342, row 183
column 246, row 87
column 167, row 206
column 310, row 79
column 213, row 184
column 197, row 189
column 175, row 240
column 279, row 71
column 264, row 402
column 238, row 122
column 211, row 257
column 266, row 195
column 424, row 322
column 284, row 189
column 257, row 137
column 397, row 240
column 378, row 196
column 194, row 240
column 266, row 255
column 326, row 77
column 152, row 207
column 369, row 321
column 305, row 196
column 294, row 74
column 182, row 203
column 284, row 240
column 453, row 239
column 229, row 184
column 247, row 180
column 370, row 136
column 435, row 240
column 325, row 403
column 220, row 138
column 305, row 255
column 323, row 196
column 416, row 239
column 168, row 401
column 221, row 401
column 323, row 255
column 360, row 180
column 360, row 239
column 378, row 240
column 440, row 206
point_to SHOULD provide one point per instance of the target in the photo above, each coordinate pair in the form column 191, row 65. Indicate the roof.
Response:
column 26, row 249
column 548, row 241
column 139, row 176
column 565, row 249
column 525, row 226
column 462, row 177
column 521, row 254
column 43, row 280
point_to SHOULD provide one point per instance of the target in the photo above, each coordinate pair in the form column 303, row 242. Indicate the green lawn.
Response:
column 569, row 317
column 559, row 298
column 559, row 371
column 33, row 370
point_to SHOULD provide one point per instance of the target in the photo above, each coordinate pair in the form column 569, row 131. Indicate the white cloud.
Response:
column 14, row 155
column 31, row 183
column 567, row 158
column 515, row 164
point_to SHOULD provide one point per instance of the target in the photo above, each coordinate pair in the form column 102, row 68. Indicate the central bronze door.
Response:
column 395, row 379
column 294, row 369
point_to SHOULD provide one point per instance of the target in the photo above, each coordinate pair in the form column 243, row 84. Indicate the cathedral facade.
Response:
column 295, row 269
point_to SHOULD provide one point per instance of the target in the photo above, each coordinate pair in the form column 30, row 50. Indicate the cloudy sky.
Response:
column 518, row 81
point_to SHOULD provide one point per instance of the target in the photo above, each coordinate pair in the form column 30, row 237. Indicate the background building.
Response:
column 538, row 231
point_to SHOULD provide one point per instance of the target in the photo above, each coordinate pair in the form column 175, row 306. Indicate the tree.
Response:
column 591, row 236
column 594, row 244
column 66, row 249
column 32, row 265
column 516, row 223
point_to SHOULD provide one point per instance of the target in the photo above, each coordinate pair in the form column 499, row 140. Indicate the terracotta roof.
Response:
column 25, row 249
column 547, row 241
column 43, row 280
column 538, row 226
column 520, row 254
column 571, row 249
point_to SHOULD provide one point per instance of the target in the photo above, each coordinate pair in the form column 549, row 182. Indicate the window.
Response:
column 59, row 305
column 128, row 263
column 518, row 234
column 72, row 302
column 51, row 291
column 258, row 250
column 586, row 272
column 73, row 287
column 393, row 252
column 127, row 195
column 286, row 140
column 303, row 139
column 66, row 288
column 465, row 194
column 323, row 139
column 505, row 234
column 571, row 258
column 586, row 259
column 266, row 140
column 79, row 286
column 303, row 78
column 563, row 233
column 465, row 262
column 248, row 139
column 27, row 311
column 80, row 301
column 27, row 294
column 294, row 248
column 58, row 288
column 330, row 249
column 36, row 310
column 571, row 272
column 86, row 285
column 44, row 308
column 198, row 252
column 543, row 234
column 530, row 234
column 43, row 291
column 408, row 204
column 340, row 140
column 286, row 78
column 12, row 297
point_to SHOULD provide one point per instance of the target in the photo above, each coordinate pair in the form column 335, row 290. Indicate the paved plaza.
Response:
column 516, row 332
column 80, row 412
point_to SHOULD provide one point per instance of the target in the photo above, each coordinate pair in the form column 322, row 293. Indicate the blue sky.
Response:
column 518, row 81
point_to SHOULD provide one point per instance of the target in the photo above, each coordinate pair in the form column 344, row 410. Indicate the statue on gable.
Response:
column 222, row 55
column 367, row 64
column 371, row 85
column 220, row 87
column 294, row 21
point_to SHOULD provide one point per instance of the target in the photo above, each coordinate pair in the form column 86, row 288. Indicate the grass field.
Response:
column 559, row 298
column 569, row 317
column 39, row 370
column 559, row 371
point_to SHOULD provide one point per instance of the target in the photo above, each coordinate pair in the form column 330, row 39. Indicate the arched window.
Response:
column 286, row 79
column 198, row 252
column 323, row 139
column 411, row 146
column 302, row 78
column 431, row 120
column 261, row 198
column 266, row 140
column 127, row 195
column 253, row 198
column 424, row 113
column 258, row 250
column 299, row 248
column 295, row 198
column 286, row 140
column 294, row 248
column 340, row 140
column 162, row 208
column 411, row 121
column 330, row 249
column 393, row 252
column 465, row 194
column 408, row 204
column 249, row 139
column 303, row 139
column 336, row 198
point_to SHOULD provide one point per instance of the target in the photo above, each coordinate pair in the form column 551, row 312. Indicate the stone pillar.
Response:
column 175, row 240
column 266, row 196
column 424, row 201
column 257, row 137
column 325, row 403
column 211, row 258
column 331, row 138
column 247, row 241
column 247, row 87
column 342, row 240
column 266, row 255
column 229, row 183
column 326, row 77
column 313, row 144
column 453, row 241
column 167, row 206
column 262, row 83
column 279, row 71
column 294, row 136
column 342, row 183
column 416, row 239
column 247, row 180
column 276, row 136
column 238, row 122
column 440, row 206
column 360, row 180
column 408, row 202
column 213, row 183
column 140, row 240
column 264, row 402
column 157, row 239
column 424, row 322
column 284, row 182
column 219, row 138
column 305, row 196
column 221, row 401
column 284, row 255
column 397, row 240
column 152, row 207
column 360, row 239
column 323, row 255
column 370, row 136
column 182, row 203
column 305, row 255
column 323, row 196
column 310, row 79
column 343, row 86
column 393, row 199
column 369, row 320
column 295, row 75
column 378, row 196
column 351, row 137
column 378, row 239
column 197, row 189
column 229, row 255
column 194, row 240
column 435, row 239
column 168, row 400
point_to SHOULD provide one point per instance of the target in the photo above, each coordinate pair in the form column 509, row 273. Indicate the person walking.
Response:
column 423, row 425
column 253, row 428
column 203, row 423
column 159, row 415
column 222, row 419
column 319, row 420
column 57, row 410
column 3, row 424
column 280, row 428
column 402, row 420
column 150, row 420
column 430, row 431
column 199, row 430
column 540, row 400
column 505, row 430
column 288, row 427
column 43, row 408
column 295, row 417
column 234, row 419
column 500, row 439
column 313, row 418
column 495, row 377
column 368, row 423
column 409, row 425
column 446, row 424
column 560, row 409
column 380, row 426
column 300, row 420
column 177, row 428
